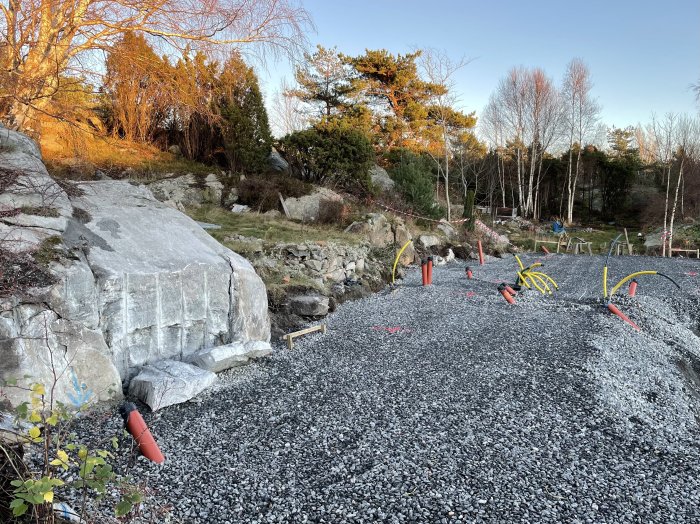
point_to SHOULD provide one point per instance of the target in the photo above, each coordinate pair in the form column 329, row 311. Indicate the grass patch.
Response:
column 270, row 230
column 76, row 153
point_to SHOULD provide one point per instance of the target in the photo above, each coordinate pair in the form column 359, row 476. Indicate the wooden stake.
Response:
column 284, row 206
column 291, row 336
column 629, row 246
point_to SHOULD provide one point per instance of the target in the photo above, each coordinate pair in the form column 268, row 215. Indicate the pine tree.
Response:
column 245, row 129
column 324, row 82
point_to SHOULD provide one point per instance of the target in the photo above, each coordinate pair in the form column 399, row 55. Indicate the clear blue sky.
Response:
column 643, row 54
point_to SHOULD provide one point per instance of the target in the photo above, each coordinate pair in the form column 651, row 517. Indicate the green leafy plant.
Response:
column 63, row 464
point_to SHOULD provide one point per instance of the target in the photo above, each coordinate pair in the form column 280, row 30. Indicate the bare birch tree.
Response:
column 686, row 143
column 662, row 132
column 439, row 69
column 288, row 114
column 44, row 39
column 581, row 116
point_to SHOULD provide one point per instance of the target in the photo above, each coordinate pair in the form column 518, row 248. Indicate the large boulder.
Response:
column 309, row 305
column 276, row 162
column 307, row 207
column 137, row 282
column 402, row 235
column 381, row 179
column 375, row 228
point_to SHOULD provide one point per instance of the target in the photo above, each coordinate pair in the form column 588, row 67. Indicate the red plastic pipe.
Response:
column 510, row 290
column 424, row 272
column 481, row 254
column 142, row 435
column 544, row 248
column 613, row 309
column 506, row 294
column 633, row 287
column 469, row 273
column 430, row 270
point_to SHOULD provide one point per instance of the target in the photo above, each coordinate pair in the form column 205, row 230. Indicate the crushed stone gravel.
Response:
column 446, row 404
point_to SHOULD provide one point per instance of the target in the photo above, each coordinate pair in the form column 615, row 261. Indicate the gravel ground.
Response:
column 444, row 403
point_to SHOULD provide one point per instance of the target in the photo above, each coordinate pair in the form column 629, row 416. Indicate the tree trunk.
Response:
column 673, row 211
column 663, row 233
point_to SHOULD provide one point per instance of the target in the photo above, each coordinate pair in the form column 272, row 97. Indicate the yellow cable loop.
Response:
column 605, row 281
column 536, row 264
column 522, row 280
column 534, row 283
column 545, row 275
column 519, row 263
column 393, row 270
column 535, row 275
column 630, row 277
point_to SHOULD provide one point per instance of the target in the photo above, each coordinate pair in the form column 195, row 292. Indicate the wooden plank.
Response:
column 284, row 206
column 629, row 246
column 289, row 337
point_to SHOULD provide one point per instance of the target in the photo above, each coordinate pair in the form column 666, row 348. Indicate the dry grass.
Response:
column 270, row 230
column 74, row 151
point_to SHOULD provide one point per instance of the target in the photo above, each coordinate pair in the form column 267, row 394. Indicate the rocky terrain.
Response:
column 446, row 404
column 99, row 279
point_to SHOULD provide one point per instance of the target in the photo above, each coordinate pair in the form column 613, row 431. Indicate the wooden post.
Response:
column 629, row 246
column 284, row 206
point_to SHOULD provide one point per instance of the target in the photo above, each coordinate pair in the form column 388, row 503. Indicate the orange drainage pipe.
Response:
column 481, row 254
column 430, row 270
column 506, row 294
column 142, row 435
column 613, row 309
column 424, row 271
column 544, row 248
column 633, row 287
column 510, row 290
column 469, row 273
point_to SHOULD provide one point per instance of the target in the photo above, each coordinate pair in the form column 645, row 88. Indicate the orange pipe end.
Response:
column 469, row 273
column 143, row 437
column 481, row 253
column 506, row 294
column 633, row 287
column 510, row 290
column 614, row 310
column 430, row 270
column 424, row 272
column 544, row 248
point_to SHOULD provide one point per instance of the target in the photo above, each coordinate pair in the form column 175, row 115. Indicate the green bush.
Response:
column 413, row 176
column 332, row 154
column 261, row 192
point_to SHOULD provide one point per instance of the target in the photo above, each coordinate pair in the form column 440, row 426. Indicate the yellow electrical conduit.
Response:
column 546, row 276
column 393, row 270
column 627, row 278
column 526, row 273
column 630, row 277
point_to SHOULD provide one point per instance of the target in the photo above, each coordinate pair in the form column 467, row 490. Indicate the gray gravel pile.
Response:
column 444, row 404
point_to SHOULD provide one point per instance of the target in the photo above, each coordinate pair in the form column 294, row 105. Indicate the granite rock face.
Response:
column 137, row 281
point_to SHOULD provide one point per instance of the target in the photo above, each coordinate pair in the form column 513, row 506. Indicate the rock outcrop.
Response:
column 381, row 179
column 307, row 208
column 188, row 190
column 136, row 282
